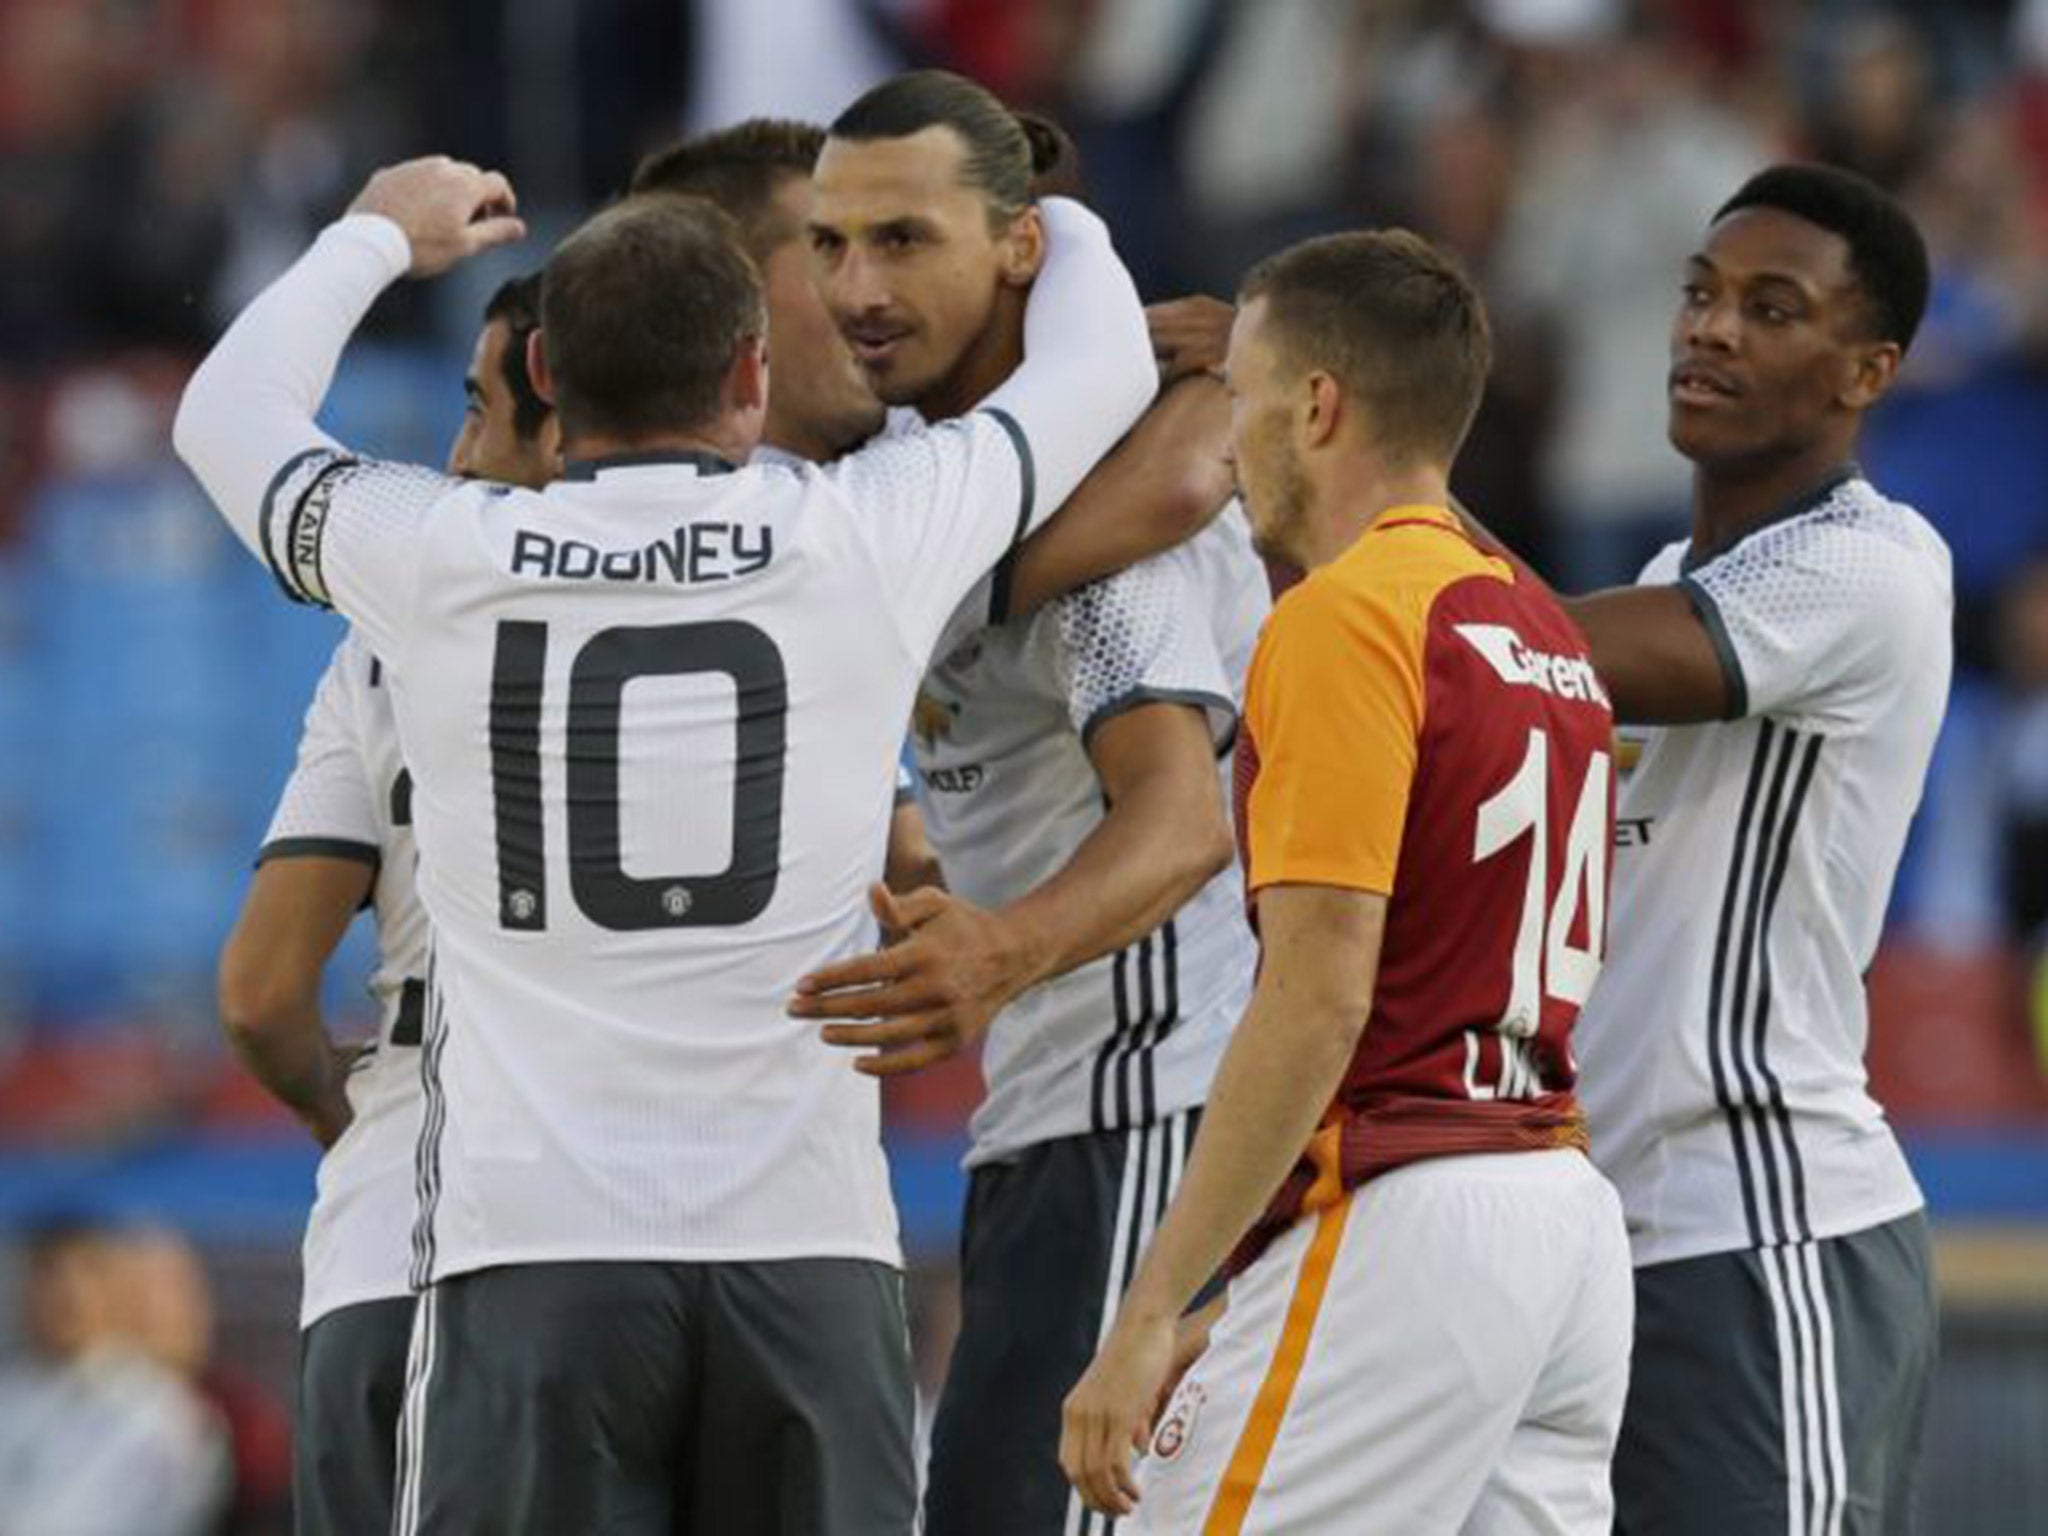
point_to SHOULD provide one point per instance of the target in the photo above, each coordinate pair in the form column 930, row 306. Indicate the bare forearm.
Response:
column 1135, row 870
column 1162, row 485
column 287, row 1049
column 1087, row 373
column 910, row 862
column 1283, row 1065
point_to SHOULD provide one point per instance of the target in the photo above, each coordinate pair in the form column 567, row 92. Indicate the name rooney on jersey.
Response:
column 695, row 552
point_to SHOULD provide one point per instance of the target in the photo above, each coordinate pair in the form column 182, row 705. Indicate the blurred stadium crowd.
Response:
column 161, row 159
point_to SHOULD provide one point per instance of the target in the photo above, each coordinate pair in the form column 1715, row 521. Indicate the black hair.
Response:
column 1886, row 252
column 1000, row 152
column 1055, row 160
column 517, row 305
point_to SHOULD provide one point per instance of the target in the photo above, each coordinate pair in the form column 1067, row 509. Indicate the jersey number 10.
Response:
column 598, row 676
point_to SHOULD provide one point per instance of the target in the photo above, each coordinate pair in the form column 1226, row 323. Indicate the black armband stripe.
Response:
column 267, row 511
column 304, row 551
column 1709, row 613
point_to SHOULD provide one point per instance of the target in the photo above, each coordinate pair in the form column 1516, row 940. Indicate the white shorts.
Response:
column 1446, row 1351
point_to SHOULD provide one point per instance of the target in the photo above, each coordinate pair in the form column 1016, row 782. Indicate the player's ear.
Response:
column 537, row 373
column 746, row 382
column 1321, row 408
column 1023, row 248
column 1870, row 376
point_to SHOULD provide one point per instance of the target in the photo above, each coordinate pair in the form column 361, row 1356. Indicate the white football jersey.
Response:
column 1010, row 794
column 653, row 715
column 350, row 797
column 1721, row 1054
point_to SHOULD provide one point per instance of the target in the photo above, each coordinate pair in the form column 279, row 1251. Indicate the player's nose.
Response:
column 856, row 288
column 1710, row 326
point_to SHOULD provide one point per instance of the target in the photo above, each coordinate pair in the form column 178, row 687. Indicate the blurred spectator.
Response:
column 96, row 1437
column 169, row 1312
column 2017, row 777
column 1960, row 439
column 1625, row 158
column 1984, row 863
column 1876, row 110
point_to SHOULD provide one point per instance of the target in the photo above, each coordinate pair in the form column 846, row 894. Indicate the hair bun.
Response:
column 1055, row 162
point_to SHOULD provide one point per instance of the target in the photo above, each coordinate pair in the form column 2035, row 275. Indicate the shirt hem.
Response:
column 1308, row 873
column 448, row 1265
column 984, row 1152
column 1706, row 1245
column 355, row 1296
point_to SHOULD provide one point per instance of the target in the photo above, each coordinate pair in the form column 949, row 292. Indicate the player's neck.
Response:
column 991, row 358
column 793, row 438
column 1731, row 499
column 1354, row 512
column 720, row 440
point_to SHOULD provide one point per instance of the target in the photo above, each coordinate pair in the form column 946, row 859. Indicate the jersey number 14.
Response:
column 598, row 676
column 1546, row 963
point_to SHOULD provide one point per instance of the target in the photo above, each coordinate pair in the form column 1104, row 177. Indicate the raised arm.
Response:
column 1087, row 372
column 249, row 409
column 1163, row 484
column 943, row 506
column 1656, row 654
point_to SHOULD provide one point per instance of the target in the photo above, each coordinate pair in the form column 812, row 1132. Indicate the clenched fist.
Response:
column 449, row 209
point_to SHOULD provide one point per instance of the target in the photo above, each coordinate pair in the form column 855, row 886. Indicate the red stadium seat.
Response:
column 1949, row 1041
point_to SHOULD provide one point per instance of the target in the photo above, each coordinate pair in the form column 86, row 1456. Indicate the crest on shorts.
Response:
column 1178, row 1427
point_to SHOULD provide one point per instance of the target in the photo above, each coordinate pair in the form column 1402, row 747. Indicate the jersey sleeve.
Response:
column 343, row 532
column 1141, row 637
column 1334, row 704
column 1812, row 618
column 940, row 505
column 329, row 806
column 335, row 529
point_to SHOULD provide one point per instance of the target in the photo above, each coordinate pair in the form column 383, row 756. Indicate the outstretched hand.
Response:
column 449, row 209
column 928, row 995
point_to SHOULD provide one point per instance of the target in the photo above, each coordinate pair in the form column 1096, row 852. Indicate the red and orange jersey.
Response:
column 1423, row 722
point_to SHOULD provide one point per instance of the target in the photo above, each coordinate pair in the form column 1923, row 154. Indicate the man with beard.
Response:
column 648, row 710
column 1074, row 797
column 1147, row 497
column 1427, row 1319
